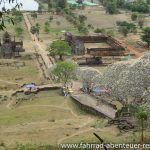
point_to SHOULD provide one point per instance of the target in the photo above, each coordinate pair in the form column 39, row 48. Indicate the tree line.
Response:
column 113, row 6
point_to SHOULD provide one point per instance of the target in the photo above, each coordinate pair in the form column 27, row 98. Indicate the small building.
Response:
column 10, row 48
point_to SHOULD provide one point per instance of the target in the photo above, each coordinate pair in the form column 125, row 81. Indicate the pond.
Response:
column 29, row 5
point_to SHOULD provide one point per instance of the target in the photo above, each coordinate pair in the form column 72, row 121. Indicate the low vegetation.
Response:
column 59, row 48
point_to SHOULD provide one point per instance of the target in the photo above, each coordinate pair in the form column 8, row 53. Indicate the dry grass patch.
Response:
column 18, row 72
column 56, row 26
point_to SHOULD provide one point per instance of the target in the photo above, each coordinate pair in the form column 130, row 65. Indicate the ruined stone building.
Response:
column 77, row 45
column 92, row 49
column 10, row 48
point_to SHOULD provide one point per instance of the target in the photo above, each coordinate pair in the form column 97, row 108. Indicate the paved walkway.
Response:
column 40, row 47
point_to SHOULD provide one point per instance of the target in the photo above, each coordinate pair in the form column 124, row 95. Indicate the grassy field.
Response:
column 101, row 19
column 56, row 26
column 18, row 72
column 11, row 29
column 46, row 115
column 107, row 22
column 48, row 118
column 23, row 70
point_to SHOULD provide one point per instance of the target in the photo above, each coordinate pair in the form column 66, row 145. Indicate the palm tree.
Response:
column 142, row 115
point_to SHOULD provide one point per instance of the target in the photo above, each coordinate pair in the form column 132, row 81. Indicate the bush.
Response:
column 134, row 16
column 126, row 27
column 111, row 7
column 98, row 30
column 110, row 33
column 1, row 52
column 50, row 18
column 90, row 26
column 34, row 29
column 46, row 29
column 82, row 29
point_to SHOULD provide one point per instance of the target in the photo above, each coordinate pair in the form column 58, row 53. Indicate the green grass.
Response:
column 46, row 112
column 47, row 118
column 11, row 29
column 31, row 114
column 44, row 98
column 76, row 108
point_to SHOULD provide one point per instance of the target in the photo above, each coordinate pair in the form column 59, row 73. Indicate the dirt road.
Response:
column 131, row 49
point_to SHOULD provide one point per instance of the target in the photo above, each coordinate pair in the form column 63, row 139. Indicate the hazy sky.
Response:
column 27, row 5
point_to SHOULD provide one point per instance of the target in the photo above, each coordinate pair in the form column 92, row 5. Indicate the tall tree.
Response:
column 82, row 18
column 61, row 3
column 134, row 16
column 141, row 20
column 142, row 116
column 124, row 30
column 59, row 48
column 17, row 15
column 34, row 30
column 4, row 13
column 111, row 7
column 34, row 15
column 146, row 36
column 65, row 71
column 50, row 5
column 40, row 8
column 126, row 27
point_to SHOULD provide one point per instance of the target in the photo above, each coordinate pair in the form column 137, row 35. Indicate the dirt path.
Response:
column 39, row 48
column 131, row 49
column 60, row 141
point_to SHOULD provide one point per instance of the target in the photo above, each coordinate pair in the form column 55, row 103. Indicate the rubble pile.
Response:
column 123, row 79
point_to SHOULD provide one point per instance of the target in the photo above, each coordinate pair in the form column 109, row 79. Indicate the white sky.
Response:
column 27, row 5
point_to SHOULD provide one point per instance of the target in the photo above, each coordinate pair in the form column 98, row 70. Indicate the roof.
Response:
column 73, row 2
column 30, row 86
